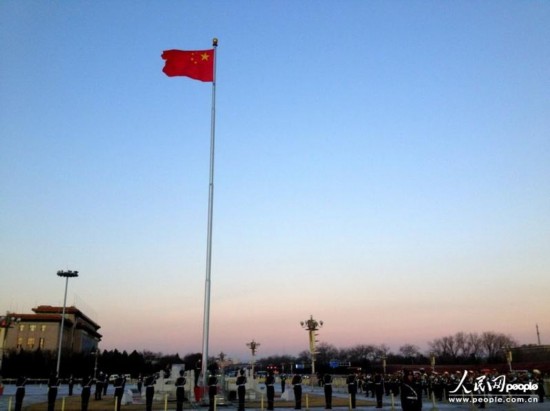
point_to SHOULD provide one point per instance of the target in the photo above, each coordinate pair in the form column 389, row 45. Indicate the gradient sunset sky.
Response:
column 381, row 165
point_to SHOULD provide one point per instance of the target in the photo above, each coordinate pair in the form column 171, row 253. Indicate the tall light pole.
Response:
column 253, row 345
column 311, row 326
column 222, row 362
column 67, row 274
column 96, row 353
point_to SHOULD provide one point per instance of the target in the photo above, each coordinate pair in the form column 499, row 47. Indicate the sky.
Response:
column 382, row 166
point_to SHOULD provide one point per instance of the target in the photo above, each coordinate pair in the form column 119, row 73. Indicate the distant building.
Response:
column 532, row 352
column 40, row 330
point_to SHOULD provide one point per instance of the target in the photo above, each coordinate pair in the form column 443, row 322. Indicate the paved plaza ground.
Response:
column 35, row 400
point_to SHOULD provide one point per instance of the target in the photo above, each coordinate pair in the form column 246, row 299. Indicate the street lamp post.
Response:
column 67, row 274
column 222, row 363
column 509, row 358
column 95, row 353
column 253, row 345
column 311, row 326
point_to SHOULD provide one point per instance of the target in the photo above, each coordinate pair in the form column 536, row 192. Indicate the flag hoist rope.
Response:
column 206, row 319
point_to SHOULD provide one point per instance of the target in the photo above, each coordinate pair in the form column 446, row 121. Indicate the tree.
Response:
column 325, row 353
column 464, row 347
column 410, row 352
column 496, row 345
column 475, row 346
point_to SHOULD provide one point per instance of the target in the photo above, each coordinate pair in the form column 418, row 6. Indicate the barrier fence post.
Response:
column 262, row 402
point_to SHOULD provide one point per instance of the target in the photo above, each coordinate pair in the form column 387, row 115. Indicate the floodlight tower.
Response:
column 67, row 274
column 312, row 326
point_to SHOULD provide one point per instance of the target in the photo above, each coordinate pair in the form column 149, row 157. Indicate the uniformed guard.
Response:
column 411, row 393
column 327, row 384
column 198, row 370
column 106, row 379
column 359, row 378
column 149, row 391
column 99, row 386
column 180, row 391
column 86, row 392
column 270, row 389
column 378, row 389
column 352, row 389
column 283, row 383
column 212, row 391
column 389, row 384
column 53, row 385
column 297, row 386
column 119, row 390
column 20, row 392
column 537, row 377
column 139, row 383
column 241, row 389
column 71, row 385
column 369, row 386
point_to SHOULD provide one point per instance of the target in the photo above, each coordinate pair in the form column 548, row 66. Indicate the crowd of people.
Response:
column 411, row 386
column 407, row 385
column 101, row 384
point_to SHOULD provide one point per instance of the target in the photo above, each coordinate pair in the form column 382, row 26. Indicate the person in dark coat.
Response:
column 20, row 392
column 71, row 385
column 352, row 389
column 119, row 384
column 378, row 389
column 180, row 391
column 139, row 383
column 270, row 389
column 106, row 379
column 540, row 385
column 327, row 386
column 149, row 392
column 411, row 393
column 198, row 370
column 212, row 391
column 53, row 385
column 283, row 383
column 86, row 392
column 99, row 386
column 297, row 386
column 241, row 389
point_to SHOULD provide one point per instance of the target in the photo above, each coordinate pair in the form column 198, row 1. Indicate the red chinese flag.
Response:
column 197, row 64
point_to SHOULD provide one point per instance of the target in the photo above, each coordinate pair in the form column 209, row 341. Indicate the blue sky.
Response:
column 382, row 165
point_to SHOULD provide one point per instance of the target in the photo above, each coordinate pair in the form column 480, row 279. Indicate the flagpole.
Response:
column 206, row 319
